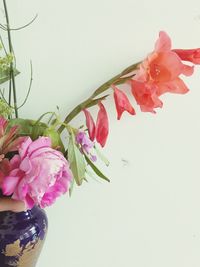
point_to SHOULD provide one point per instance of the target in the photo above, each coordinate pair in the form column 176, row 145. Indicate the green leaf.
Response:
column 95, row 169
column 76, row 160
column 29, row 127
column 71, row 187
column 101, row 156
column 5, row 75
column 55, row 138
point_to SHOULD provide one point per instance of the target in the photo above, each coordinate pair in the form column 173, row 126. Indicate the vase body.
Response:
column 21, row 237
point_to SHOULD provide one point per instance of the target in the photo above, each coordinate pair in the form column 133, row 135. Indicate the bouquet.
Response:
column 44, row 158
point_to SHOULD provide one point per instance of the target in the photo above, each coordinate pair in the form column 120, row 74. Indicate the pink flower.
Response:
column 122, row 102
column 101, row 129
column 102, row 125
column 192, row 55
column 86, row 145
column 38, row 175
column 90, row 124
column 159, row 73
column 9, row 141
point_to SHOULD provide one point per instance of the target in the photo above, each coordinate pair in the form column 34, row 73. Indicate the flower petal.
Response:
column 192, row 55
column 187, row 70
column 163, row 44
column 176, row 86
column 122, row 102
column 102, row 125
column 145, row 95
column 90, row 124
column 9, row 184
column 166, row 66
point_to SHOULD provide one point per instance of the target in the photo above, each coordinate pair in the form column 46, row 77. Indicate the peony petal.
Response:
column 102, row 125
column 163, row 44
column 26, row 165
column 24, row 147
column 29, row 202
column 41, row 142
column 9, row 184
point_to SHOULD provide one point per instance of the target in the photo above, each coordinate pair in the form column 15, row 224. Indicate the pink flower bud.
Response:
column 102, row 125
column 122, row 102
column 192, row 55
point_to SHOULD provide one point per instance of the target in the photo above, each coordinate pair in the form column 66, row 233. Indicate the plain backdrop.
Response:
column 149, row 215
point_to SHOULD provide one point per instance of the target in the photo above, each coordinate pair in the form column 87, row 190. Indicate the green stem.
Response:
column 115, row 80
column 12, row 75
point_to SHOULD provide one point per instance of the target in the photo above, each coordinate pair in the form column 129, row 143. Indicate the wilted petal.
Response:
column 102, row 125
column 14, row 145
column 3, row 125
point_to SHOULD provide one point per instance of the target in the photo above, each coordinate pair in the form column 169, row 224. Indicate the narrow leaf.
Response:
column 95, row 169
column 76, row 160
column 101, row 156
column 71, row 187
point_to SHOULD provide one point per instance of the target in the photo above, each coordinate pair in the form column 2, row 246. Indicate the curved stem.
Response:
column 118, row 79
column 12, row 75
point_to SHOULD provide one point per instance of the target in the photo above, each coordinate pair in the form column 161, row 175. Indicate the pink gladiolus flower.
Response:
column 192, row 55
column 122, row 102
column 90, row 124
column 38, row 175
column 102, row 125
column 159, row 73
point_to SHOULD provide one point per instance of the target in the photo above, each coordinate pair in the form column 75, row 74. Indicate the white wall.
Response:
column 149, row 216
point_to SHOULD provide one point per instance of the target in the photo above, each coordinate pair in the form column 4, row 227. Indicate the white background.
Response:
column 149, row 215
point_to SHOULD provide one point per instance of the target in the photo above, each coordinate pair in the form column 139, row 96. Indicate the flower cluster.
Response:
column 37, row 165
column 156, row 75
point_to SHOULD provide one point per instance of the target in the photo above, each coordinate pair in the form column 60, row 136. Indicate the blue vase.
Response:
column 22, row 236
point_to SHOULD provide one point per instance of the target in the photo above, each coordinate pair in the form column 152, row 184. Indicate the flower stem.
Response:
column 12, row 75
column 118, row 79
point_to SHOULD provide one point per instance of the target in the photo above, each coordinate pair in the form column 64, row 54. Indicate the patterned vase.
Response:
column 21, row 237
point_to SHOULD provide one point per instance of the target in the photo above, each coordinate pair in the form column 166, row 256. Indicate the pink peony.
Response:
column 38, row 175
column 159, row 73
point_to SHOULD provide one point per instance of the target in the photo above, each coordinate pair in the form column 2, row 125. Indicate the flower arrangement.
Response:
column 36, row 165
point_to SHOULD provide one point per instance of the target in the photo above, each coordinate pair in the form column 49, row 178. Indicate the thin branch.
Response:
column 19, row 28
column 11, row 64
column 118, row 79
column 4, row 48
column 29, row 89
